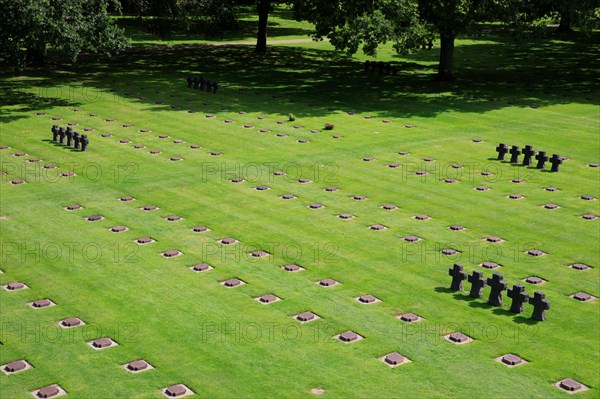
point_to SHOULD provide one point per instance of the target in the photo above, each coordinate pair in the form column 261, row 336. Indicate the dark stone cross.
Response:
column 528, row 153
column 208, row 85
column 519, row 297
column 555, row 161
column 515, row 152
column 55, row 132
column 195, row 82
column 502, row 149
column 76, row 140
column 498, row 285
column 69, row 135
column 84, row 142
column 540, row 305
column 458, row 275
column 541, row 158
column 202, row 83
column 477, row 283
column 215, row 87
column 61, row 134
column 190, row 80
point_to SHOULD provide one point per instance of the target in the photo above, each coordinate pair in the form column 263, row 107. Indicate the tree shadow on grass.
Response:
column 321, row 80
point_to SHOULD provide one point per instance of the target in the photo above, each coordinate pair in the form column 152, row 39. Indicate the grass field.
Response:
column 222, row 343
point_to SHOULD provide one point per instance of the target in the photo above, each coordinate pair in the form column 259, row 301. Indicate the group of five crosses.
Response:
column 201, row 84
column 73, row 138
column 497, row 284
column 528, row 154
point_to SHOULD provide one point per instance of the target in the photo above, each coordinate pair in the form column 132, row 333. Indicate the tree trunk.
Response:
column 565, row 23
column 446, row 57
column 263, row 7
column 36, row 54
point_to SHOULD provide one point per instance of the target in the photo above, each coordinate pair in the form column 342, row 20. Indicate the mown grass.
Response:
column 196, row 332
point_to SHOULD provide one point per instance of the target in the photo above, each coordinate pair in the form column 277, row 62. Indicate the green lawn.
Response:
column 219, row 341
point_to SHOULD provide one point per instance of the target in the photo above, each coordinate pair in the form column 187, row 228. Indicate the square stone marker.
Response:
column 510, row 360
column 394, row 359
column 259, row 254
column 15, row 367
column 201, row 267
column 50, row 391
column 232, row 282
column 583, row 297
column 228, row 241
column 144, row 240
column 149, row 208
column 348, row 337
column 293, row 268
column 534, row 280
column 267, row 299
column 200, row 229
column 421, row 217
column 177, row 391
column 579, row 266
column 377, row 227
column 41, row 303
column 171, row 253
column 410, row 317
column 306, row 317
column 119, row 229
column 571, row 386
column 346, row 216
column 458, row 338
column 367, row 299
column 138, row 366
column 94, row 218
column 71, row 322
column 102, row 343
column 15, row 286
column 73, row 207
column 327, row 282
column 535, row 252
column 489, row 265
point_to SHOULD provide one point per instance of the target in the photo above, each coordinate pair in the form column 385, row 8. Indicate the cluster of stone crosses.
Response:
column 497, row 284
column 74, row 139
column 202, row 84
column 528, row 154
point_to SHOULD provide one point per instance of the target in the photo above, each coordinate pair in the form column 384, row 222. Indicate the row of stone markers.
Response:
column 528, row 153
column 201, row 84
column 497, row 284
column 73, row 138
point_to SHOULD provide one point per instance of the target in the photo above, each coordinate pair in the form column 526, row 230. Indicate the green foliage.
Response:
column 292, row 117
column 72, row 26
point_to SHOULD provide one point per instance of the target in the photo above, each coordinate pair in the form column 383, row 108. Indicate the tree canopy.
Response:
column 28, row 27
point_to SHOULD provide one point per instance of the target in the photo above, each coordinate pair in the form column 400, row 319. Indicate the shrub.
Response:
column 329, row 126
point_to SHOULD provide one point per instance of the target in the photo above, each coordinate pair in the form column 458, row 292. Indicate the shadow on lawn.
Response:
column 313, row 82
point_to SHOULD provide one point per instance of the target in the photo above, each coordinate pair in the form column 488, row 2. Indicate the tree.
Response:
column 29, row 27
column 350, row 24
column 263, row 7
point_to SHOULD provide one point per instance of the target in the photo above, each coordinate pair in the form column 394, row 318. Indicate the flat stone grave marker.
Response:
column 232, row 282
column 171, row 253
column 458, row 338
column 449, row 251
column 327, row 282
column 293, row 268
column 346, row 216
column 260, row 254
column 126, row 198
column 200, row 229
column 71, row 322
column 289, row 197
column 177, row 391
column 348, row 337
column 394, row 359
column 589, row 217
column 410, row 317
column 50, row 391
column 119, row 229
column 306, row 317
column 510, row 360
column 173, row 218
column 73, row 207
column 149, row 208
column 579, row 266
column 551, row 206
column 456, row 227
column 138, row 366
column 267, row 299
column 367, row 299
column 535, row 252
column 15, row 286
column 377, row 227
column 15, row 367
column 583, row 297
column 489, row 265
column 389, row 207
column 201, row 267
column 144, row 240
column 228, row 241
column 359, row 197
column 102, row 343
column 571, row 386
column 515, row 196
column 421, row 217
column 330, row 189
column 534, row 280
column 41, row 303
